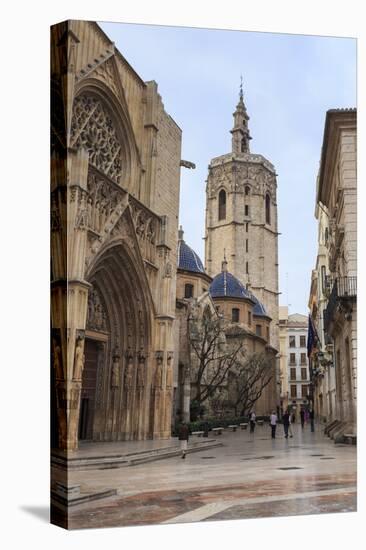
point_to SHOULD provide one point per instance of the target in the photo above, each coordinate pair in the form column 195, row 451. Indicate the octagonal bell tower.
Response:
column 241, row 217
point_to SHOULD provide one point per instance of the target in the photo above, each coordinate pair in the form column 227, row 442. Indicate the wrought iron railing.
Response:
column 344, row 288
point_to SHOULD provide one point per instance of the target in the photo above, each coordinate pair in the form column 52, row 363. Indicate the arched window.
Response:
column 326, row 236
column 247, row 190
column 188, row 291
column 235, row 315
column 268, row 209
column 222, row 205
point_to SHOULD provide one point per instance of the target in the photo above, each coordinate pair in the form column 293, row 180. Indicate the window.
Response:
column 303, row 359
column 323, row 274
column 247, row 190
column 292, row 358
column 188, row 291
column 292, row 341
column 246, row 210
column 243, row 145
column 258, row 330
column 304, row 390
column 268, row 209
column 303, row 374
column 246, row 268
column 293, row 390
column 267, row 334
column 204, row 289
column 302, row 341
column 246, row 245
column 222, row 205
column 247, row 227
column 235, row 315
column 292, row 374
column 249, row 318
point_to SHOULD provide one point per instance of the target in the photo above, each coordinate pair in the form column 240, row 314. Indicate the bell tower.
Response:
column 241, row 217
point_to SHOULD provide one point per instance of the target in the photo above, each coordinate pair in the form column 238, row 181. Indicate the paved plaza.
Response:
column 250, row 476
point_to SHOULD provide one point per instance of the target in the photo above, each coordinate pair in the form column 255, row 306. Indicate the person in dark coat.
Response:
column 286, row 422
column 183, row 436
column 311, row 416
column 302, row 417
column 252, row 421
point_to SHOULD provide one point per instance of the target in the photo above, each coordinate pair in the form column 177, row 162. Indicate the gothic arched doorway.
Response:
column 116, row 377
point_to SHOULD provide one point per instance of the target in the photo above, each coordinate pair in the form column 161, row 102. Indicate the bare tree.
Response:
column 248, row 380
column 214, row 361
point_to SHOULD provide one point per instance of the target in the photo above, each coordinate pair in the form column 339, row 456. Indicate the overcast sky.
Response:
column 289, row 83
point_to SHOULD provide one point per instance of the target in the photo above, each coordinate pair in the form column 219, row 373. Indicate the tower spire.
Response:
column 240, row 132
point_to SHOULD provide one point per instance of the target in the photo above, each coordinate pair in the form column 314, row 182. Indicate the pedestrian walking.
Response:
column 302, row 417
column 286, row 422
column 183, row 436
column 252, row 421
column 273, row 423
column 306, row 416
column 311, row 416
column 290, row 427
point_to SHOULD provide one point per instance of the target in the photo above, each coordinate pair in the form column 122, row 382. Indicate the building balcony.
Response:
column 342, row 295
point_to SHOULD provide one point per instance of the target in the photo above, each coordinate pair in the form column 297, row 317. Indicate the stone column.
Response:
column 69, row 292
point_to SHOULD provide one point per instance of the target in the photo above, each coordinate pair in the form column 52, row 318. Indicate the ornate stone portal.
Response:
column 112, row 248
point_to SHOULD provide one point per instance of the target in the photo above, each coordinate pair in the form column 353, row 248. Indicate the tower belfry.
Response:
column 240, row 131
column 241, row 217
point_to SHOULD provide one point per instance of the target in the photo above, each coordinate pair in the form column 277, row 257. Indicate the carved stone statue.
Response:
column 129, row 372
column 169, row 372
column 79, row 359
column 57, row 360
column 141, row 372
column 115, row 379
column 158, row 378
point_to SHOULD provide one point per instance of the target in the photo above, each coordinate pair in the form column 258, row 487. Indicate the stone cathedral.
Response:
column 115, row 174
column 241, row 218
column 124, row 285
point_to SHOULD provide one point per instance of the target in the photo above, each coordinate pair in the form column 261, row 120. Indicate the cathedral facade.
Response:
column 115, row 175
column 128, row 295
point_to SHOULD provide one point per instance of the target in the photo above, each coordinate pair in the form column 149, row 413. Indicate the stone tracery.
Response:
column 93, row 129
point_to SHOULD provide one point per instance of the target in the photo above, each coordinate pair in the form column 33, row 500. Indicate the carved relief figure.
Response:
column 79, row 359
column 169, row 372
column 141, row 371
column 158, row 378
column 115, row 380
column 97, row 318
column 129, row 372
column 57, row 359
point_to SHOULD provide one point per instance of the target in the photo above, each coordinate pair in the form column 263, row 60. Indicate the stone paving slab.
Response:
column 220, row 482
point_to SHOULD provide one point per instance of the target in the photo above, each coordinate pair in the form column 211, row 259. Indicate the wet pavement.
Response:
column 250, row 476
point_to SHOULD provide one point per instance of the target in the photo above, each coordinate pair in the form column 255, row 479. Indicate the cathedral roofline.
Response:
column 242, row 157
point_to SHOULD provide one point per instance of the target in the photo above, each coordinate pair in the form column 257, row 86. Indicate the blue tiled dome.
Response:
column 188, row 259
column 225, row 284
column 258, row 309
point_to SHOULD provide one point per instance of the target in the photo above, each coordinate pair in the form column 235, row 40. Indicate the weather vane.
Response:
column 241, row 86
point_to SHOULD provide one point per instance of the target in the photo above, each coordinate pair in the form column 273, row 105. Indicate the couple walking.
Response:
column 286, row 419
